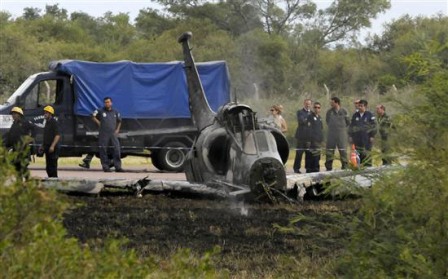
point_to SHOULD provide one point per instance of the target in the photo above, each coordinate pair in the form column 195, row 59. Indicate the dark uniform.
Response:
column 51, row 130
column 337, row 122
column 314, row 137
column 109, row 120
column 301, row 131
column 15, row 139
column 384, row 125
column 362, row 128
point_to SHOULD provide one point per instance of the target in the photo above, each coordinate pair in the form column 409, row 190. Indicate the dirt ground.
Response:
column 160, row 224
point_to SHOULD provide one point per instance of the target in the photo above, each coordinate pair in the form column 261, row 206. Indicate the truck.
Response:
column 152, row 99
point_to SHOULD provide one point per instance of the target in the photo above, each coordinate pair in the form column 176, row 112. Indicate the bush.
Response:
column 402, row 227
column 34, row 243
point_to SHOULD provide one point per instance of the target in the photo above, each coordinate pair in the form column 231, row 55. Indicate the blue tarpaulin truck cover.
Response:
column 143, row 90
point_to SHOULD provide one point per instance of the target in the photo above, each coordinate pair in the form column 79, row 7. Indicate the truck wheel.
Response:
column 173, row 157
column 155, row 159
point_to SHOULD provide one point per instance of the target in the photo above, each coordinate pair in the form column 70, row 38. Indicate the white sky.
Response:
column 132, row 7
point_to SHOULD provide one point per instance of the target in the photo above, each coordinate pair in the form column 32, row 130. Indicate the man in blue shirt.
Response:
column 109, row 122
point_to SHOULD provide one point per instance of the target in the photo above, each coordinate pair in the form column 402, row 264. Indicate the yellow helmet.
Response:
column 17, row 109
column 49, row 109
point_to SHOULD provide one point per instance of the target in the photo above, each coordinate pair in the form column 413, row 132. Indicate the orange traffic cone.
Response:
column 354, row 157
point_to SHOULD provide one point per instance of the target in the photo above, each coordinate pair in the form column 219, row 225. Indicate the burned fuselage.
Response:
column 231, row 146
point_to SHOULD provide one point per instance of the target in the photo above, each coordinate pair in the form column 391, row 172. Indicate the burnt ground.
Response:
column 247, row 233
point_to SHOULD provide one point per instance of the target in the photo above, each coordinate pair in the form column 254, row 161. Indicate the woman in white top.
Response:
column 277, row 118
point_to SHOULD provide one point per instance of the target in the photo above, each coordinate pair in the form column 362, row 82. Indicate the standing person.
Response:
column 88, row 159
column 338, row 121
column 384, row 125
column 50, row 144
column 277, row 118
column 362, row 132
column 18, row 139
column 315, row 137
column 109, row 122
column 302, row 116
column 356, row 104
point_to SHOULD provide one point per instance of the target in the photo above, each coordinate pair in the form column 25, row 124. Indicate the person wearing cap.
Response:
column 109, row 122
column 362, row 131
column 18, row 138
column 50, row 142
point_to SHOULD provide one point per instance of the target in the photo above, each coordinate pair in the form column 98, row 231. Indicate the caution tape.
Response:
column 179, row 147
column 127, row 146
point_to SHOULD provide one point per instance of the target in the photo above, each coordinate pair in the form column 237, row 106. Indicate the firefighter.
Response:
column 50, row 145
column 18, row 138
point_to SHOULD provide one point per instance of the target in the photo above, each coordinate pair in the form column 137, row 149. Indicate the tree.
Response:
column 234, row 16
column 89, row 26
column 19, row 55
column 115, row 30
column 56, row 12
column 31, row 13
column 342, row 19
column 412, row 47
column 263, row 63
column 150, row 23
column 278, row 20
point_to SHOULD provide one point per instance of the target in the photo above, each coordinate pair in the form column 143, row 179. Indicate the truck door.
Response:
column 55, row 91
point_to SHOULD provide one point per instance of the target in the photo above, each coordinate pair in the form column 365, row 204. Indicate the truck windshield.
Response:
column 20, row 90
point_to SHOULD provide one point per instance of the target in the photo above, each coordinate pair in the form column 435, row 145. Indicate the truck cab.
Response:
column 39, row 90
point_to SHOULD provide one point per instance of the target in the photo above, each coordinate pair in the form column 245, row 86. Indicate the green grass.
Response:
column 131, row 161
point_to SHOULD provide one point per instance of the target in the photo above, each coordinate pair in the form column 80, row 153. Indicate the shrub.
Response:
column 34, row 243
column 402, row 227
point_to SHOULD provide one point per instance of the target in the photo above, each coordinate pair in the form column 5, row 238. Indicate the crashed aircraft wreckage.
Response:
column 297, row 184
column 233, row 154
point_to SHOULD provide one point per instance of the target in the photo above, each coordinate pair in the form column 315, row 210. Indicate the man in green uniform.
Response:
column 384, row 125
column 338, row 121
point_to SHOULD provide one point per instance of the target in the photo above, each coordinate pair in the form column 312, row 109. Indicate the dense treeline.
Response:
column 271, row 51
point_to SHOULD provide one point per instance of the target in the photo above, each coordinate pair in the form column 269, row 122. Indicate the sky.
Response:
column 98, row 8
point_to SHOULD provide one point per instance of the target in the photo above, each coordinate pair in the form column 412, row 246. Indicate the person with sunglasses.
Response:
column 302, row 116
column 315, row 138
column 277, row 118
